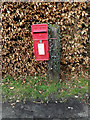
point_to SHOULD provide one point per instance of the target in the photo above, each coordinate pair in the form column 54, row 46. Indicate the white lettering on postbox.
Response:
column 41, row 49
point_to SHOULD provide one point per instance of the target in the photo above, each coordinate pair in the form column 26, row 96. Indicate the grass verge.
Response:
column 40, row 89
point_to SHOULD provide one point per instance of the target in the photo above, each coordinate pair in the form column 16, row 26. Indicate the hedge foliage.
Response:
column 17, row 51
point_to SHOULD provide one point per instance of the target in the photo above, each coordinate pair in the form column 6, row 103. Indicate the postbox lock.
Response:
column 40, row 41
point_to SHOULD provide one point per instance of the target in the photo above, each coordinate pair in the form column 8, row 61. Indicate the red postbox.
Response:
column 40, row 41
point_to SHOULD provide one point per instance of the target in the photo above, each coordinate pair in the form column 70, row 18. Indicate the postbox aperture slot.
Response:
column 39, row 31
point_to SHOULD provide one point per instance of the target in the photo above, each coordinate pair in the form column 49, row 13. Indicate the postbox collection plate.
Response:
column 40, row 41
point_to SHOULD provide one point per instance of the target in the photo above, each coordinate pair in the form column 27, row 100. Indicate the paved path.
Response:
column 57, row 111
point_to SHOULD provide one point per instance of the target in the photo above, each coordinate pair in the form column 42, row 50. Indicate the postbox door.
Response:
column 41, row 50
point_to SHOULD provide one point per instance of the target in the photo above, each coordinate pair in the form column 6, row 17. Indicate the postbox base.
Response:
column 41, row 59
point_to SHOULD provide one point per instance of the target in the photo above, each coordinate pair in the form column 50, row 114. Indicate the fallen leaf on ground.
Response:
column 13, row 104
column 11, row 88
column 76, row 96
column 17, row 100
column 70, row 107
column 40, row 91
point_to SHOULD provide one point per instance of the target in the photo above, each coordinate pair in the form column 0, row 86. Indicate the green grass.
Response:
column 37, row 87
